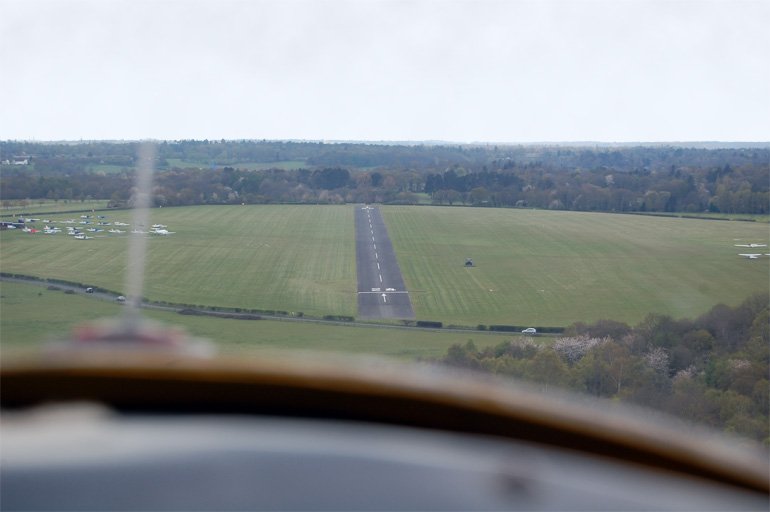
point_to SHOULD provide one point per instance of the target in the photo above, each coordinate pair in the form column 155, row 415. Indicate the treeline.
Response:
column 396, row 156
column 723, row 189
column 712, row 370
column 222, row 186
column 634, row 179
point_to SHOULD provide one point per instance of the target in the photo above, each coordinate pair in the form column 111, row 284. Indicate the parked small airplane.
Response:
column 751, row 256
column 116, row 231
column 751, row 245
column 164, row 232
column 83, row 237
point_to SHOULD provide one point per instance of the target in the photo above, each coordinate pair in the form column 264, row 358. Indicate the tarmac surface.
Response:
column 381, row 289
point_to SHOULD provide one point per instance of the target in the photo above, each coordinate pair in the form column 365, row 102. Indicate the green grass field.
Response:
column 108, row 168
column 291, row 258
column 45, row 205
column 716, row 216
column 538, row 267
column 32, row 315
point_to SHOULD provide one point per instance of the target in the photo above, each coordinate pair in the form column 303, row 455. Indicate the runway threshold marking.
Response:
column 380, row 292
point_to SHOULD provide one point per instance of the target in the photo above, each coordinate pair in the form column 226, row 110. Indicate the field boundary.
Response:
column 249, row 314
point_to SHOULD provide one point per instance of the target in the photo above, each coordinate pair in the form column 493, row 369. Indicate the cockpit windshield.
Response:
column 563, row 196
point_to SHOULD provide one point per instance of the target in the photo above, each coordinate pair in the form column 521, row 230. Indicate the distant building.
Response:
column 17, row 160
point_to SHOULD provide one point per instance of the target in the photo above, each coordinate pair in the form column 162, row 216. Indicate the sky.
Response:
column 386, row 70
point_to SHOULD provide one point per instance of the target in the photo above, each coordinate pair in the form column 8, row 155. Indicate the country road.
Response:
column 247, row 316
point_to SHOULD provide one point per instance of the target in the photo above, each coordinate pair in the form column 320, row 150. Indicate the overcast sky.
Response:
column 495, row 71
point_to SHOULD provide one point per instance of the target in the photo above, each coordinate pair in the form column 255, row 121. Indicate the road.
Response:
column 251, row 316
column 381, row 289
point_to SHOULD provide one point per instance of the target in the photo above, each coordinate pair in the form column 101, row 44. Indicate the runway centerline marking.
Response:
column 372, row 277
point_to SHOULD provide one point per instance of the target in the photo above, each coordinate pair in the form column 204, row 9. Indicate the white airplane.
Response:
column 164, row 232
column 116, row 231
column 751, row 245
column 83, row 237
column 120, row 224
column 751, row 256
column 159, row 226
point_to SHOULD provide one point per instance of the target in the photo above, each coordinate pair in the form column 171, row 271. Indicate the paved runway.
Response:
column 381, row 289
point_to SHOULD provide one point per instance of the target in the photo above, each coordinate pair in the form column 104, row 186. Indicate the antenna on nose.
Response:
column 137, row 246
column 131, row 331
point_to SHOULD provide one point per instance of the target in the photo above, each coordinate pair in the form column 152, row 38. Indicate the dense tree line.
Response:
column 654, row 179
column 712, row 370
column 394, row 156
column 722, row 189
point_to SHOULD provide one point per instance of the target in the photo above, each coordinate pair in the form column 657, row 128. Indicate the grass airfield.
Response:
column 32, row 316
column 293, row 258
column 553, row 268
column 533, row 267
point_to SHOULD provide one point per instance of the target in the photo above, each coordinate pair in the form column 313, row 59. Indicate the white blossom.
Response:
column 657, row 359
column 573, row 348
